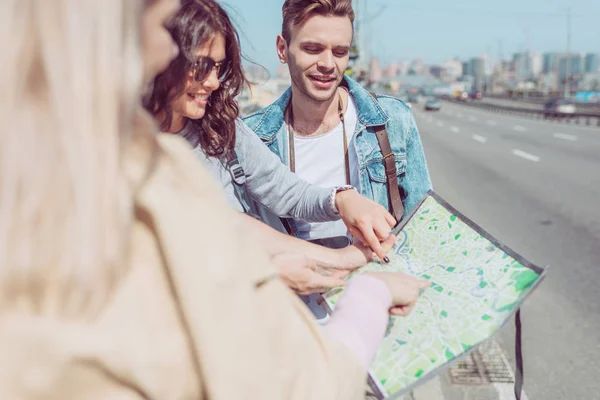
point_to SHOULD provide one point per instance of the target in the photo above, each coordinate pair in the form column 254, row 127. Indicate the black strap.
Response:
column 238, row 179
column 519, row 377
column 238, row 176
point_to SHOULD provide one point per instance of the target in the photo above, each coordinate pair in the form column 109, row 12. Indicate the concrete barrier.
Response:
column 589, row 119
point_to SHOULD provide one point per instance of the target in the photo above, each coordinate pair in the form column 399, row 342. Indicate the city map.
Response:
column 476, row 285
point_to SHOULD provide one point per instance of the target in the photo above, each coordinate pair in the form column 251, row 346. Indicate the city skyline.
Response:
column 435, row 31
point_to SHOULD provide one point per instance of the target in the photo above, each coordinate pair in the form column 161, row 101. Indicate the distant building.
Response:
column 453, row 69
column 403, row 68
column 576, row 66
column 425, row 83
column 570, row 68
column 466, row 68
column 548, row 82
column 436, row 71
column 528, row 66
column 391, row 70
column 591, row 82
column 417, row 67
column 537, row 64
column 477, row 69
column 551, row 66
column 550, row 63
column 592, row 63
column 507, row 66
column 375, row 71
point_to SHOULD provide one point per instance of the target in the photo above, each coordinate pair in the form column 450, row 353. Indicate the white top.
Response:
column 320, row 161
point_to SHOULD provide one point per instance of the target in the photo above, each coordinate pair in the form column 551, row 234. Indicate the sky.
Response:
column 437, row 30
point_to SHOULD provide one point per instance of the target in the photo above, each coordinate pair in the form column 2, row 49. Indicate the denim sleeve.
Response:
column 417, row 181
column 272, row 184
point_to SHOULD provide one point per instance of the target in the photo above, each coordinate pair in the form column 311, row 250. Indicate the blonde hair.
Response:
column 295, row 12
column 70, row 78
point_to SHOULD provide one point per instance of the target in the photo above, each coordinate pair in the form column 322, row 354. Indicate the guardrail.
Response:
column 539, row 100
column 588, row 119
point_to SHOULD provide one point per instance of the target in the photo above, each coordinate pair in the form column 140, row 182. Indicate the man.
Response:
column 334, row 122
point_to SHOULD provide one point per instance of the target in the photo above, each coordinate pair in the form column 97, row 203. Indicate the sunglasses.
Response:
column 204, row 66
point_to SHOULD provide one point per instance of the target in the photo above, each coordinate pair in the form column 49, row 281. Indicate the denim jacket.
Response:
column 413, row 176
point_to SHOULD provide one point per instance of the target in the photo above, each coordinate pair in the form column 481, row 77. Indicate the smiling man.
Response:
column 329, row 129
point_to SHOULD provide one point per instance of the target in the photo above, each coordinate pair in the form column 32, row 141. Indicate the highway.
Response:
column 535, row 186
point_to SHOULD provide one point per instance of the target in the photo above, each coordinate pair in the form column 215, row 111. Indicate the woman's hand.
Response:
column 405, row 290
column 357, row 255
column 366, row 220
column 304, row 276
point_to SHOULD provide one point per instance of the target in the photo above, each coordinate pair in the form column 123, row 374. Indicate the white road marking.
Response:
column 564, row 136
column 472, row 119
column 519, row 128
column 479, row 139
column 525, row 155
column 440, row 124
column 455, row 129
column 492, row 123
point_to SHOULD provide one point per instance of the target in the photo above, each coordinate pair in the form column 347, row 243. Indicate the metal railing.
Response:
column 589, row 119
column 541, row 100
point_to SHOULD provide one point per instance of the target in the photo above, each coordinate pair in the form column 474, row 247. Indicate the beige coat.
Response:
column 200, row 315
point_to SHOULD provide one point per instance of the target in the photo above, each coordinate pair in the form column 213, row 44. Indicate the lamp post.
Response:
column 568, row 66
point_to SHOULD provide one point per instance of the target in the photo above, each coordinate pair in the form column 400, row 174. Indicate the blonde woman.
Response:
column 123, row 273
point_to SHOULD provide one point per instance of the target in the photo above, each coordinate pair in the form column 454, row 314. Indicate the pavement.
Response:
column 534, row 185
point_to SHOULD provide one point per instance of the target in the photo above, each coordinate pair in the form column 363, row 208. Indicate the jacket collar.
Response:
column 369, row 110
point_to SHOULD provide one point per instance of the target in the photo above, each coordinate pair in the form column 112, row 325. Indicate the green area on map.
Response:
column 475, row 288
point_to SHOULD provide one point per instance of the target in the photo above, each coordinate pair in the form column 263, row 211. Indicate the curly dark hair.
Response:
column 197, row 22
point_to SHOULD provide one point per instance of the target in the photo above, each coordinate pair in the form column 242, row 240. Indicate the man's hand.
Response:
column 305, row 276
column 366, row 220
column 405, row 290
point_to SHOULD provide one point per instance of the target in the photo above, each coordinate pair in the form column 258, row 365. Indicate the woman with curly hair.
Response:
column 110, row 234
column 195, row 98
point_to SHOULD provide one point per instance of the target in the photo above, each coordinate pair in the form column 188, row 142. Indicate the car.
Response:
column 433, row 105
column 413, row 98
column 476, row 96
column 559, row 108
column 462, row 96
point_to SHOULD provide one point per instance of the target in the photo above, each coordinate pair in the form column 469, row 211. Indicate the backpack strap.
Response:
column 391, row 175
column 238, row 179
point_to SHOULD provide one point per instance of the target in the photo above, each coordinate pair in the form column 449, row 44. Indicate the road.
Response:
column 535, row 186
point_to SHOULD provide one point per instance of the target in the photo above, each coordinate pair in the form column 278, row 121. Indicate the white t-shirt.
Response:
column 320, row 161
